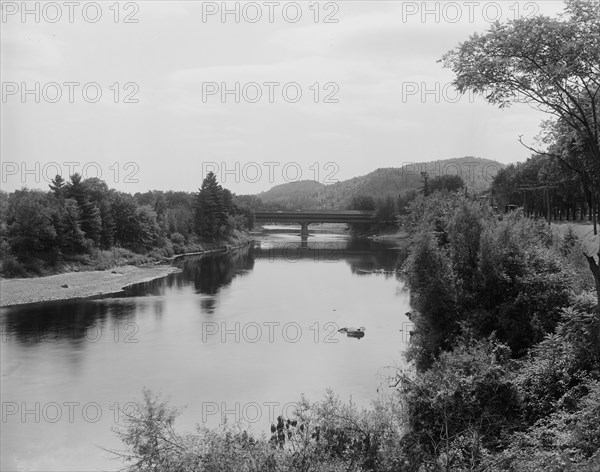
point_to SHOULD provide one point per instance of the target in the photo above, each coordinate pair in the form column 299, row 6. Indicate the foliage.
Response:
column 81, row 221
column 500, row 275
column 566, row 440
column 327, row 436
column 459, row 410
column 449, row 183
column 554, row 65
column 216, row 214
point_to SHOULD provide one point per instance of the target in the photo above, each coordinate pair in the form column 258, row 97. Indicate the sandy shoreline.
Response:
column 79, row 284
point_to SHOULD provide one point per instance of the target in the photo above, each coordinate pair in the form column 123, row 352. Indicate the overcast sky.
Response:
column 373, row 63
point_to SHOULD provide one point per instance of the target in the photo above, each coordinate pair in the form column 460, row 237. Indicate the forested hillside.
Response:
column 476, row 173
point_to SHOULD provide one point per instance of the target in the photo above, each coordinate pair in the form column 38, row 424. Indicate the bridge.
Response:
column 306, row 217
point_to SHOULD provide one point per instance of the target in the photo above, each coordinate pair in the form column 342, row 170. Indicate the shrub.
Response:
column 461, row 407
column 328, row 436
column 11, row 267
column 177, row 238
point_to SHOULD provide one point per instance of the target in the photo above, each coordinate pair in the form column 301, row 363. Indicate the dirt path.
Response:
column 76, row 284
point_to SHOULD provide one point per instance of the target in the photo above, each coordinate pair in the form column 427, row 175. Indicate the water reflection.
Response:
column 362, row 255
column 70, row 321
column 207, row 274
column 76, row 321
column 156, row 335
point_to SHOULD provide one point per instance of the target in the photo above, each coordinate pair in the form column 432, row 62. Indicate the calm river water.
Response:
column 239, row 336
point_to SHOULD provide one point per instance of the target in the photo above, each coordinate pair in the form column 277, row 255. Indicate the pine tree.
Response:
column 90, row 219
column 57, row 185
column 71, row 238
column 210, row 214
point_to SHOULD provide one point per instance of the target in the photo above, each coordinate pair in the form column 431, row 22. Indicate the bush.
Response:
column 562, row 441
column 322, row 437
column 11, row 267
column 467, row 266
column 177, row 238
column 460, row 409
column 103, row 259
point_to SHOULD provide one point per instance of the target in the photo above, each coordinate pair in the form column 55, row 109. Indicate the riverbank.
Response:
column 77, row 284
column 84, row 284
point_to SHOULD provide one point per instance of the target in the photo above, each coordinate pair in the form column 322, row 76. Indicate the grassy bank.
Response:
column 105, row 273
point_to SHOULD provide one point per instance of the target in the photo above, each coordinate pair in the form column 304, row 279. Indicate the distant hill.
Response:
column 392, row 181
column 294, row 194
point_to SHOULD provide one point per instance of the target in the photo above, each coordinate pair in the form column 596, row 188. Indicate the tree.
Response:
column 450, row 183
column 99, row 194
column 551, row 64
column 210, row 216
column 124, row 207
column 70, row 237
column 362, row 203
column 147, row 230
column 31, row 230
column 57, row 185
column 91, row 221
column 433, row 296
column 386, row 210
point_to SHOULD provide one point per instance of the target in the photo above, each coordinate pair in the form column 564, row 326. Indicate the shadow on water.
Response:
column 72, row 321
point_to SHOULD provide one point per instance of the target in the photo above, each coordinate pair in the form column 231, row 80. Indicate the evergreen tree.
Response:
column 57, row 185
column 91, row 221
column 210, row 215
column 70, row 237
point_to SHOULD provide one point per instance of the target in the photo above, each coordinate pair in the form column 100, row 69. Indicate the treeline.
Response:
column 82, row 222
column 546, row 187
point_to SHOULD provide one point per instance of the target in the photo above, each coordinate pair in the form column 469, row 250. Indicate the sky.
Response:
column 153, row 95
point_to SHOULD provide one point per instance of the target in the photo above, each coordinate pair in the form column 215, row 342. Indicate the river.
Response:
column 237, row 336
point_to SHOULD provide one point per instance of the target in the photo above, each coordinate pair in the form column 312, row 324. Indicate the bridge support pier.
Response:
column 304, row 229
